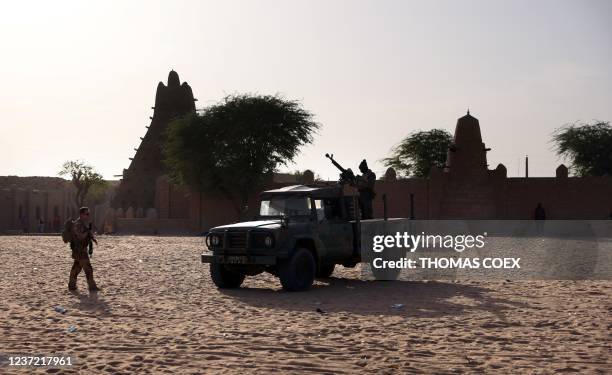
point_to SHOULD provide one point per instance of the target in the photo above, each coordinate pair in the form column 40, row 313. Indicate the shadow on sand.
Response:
column 92, row 302
column 420, row 298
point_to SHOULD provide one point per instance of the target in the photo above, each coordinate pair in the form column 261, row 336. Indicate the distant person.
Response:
column 23, row 223
column 539, row 213
column 56, row 224
column 81, row 237
column 41, row 225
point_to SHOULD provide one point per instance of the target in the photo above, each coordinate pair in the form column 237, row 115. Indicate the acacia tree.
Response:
column 83, row 177
column 233, row 146
column 419, row 151
column 587, row 146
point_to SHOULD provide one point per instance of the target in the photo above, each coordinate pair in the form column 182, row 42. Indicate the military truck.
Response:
column 301, row 232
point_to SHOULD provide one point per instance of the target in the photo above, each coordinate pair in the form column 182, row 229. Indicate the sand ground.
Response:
column 160, row 313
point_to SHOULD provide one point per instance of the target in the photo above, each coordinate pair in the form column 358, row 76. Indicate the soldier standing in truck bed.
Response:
column 365, row 185
column 81, row 237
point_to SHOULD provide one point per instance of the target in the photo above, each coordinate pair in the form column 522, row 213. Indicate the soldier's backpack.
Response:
column 67, row 232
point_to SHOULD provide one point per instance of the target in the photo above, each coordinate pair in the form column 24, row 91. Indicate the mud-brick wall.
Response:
column 162, row 197
column 172, row 201
column 515, row 198
column 562, row 198
column 217, row 210
column 7, row 208
column 398, row 198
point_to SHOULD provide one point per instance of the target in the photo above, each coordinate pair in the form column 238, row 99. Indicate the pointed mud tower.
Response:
column 137, row 188
column 469, row 184
column 467, row 156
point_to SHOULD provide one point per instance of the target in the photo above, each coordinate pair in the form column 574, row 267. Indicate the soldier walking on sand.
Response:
column 81, row 237
column 365, row 185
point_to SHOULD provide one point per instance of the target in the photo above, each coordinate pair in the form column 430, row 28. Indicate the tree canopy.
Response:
column 419, row 151
column 588, row 146
column 83, row 177
column 233, row 146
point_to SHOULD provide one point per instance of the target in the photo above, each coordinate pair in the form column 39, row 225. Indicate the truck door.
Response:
column 334, row 230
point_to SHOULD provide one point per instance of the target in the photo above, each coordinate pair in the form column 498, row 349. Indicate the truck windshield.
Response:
column 285, row 207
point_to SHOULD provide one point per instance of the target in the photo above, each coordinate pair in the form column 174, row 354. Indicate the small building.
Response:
column 26, row 201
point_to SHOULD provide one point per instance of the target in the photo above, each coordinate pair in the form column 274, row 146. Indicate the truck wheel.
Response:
column 225, row 278
column 298, row 273
column 325, row 271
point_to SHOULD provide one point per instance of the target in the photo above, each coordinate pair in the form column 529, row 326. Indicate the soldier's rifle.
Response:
column 92, row 239
column 348, row 177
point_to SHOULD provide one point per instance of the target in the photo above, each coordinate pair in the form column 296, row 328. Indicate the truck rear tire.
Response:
column 297, row 273
column 325, row 271
column 225, row 278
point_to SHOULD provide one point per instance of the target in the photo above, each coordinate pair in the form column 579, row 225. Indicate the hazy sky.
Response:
column 79, row 77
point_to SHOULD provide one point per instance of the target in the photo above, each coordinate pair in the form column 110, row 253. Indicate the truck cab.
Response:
column 301, row 232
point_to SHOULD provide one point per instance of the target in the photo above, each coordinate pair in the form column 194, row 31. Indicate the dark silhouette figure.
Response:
column 24, row 222
column 365, row 185
column 56, row 223
column 539, row 213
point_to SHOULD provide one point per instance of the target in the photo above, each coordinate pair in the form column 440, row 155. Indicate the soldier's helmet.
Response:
column 363, row 166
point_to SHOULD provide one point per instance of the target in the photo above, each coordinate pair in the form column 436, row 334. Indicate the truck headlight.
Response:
column 269, row 241
column 261, row 240
column 215, row 240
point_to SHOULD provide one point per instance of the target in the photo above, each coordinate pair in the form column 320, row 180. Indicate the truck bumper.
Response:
column 269, row 260
column 207, row 258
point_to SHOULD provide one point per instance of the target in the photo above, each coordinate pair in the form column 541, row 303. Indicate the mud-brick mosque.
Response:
column 146, row 201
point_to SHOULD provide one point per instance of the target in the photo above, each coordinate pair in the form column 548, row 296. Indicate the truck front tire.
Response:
column 225, row 278
column 297, row 273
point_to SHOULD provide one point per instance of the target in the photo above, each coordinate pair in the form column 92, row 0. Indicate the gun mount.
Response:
column 346, row 175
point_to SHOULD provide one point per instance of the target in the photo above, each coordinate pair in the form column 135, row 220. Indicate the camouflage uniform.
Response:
column 81, row 239
column 365, row 185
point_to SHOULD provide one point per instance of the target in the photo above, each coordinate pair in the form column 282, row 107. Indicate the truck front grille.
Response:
column 237, row 240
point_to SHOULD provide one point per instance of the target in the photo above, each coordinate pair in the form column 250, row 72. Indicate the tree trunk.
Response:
column 77, row 199
column 244, row 201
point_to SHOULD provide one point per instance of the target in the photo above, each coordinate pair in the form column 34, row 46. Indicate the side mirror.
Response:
column 284, row 221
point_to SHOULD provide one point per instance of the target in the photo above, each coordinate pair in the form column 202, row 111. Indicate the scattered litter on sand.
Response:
column 60, row 309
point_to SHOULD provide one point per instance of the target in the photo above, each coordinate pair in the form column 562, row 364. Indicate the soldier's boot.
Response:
column 74, row 271
column 91, row 284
